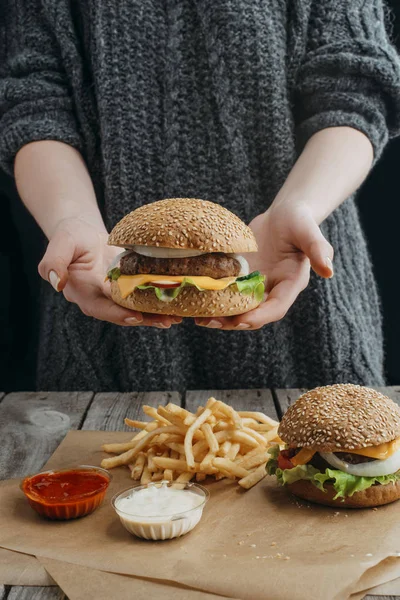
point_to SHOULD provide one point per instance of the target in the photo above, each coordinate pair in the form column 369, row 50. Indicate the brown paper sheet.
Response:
column 22, row 569
column 249, row 545
column 81, row 583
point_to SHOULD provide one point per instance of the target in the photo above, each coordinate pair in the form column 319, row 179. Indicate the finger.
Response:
column 280, row 299
column 56, row 260
column 314, row 245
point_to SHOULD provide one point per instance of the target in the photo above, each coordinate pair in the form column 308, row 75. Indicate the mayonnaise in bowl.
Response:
column 162, row 510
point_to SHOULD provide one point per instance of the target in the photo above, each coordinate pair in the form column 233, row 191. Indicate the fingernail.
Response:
column 133, row 321
column 242, row 326
column 54, row 280
column 214, row 324
column 177, row 320
column 329, row 264
column 160, row 325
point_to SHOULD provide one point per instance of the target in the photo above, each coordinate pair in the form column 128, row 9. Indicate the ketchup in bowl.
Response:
column 68, row 493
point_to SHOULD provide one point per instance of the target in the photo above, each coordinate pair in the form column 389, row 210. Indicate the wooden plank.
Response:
column 285, row 397
column 1, row 398
column 108, row 411
column 33, row 424
column 381, row 598
column 256, row 400
column 18, row 592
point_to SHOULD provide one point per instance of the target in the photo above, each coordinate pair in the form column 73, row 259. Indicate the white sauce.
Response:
column 161, row 511
column 158, row 502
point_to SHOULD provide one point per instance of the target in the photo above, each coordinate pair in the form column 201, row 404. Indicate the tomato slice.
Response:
column 166, row 285
column 284, row 461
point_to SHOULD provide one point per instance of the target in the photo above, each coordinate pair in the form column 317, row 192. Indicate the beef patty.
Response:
column 216, row 265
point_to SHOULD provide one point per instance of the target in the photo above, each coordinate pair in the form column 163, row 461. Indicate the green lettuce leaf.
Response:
column 250, row 284
column 114, row 274
column 343, row 483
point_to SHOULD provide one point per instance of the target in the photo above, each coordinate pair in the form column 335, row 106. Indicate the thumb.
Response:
column 315, row 246
column 58, row 256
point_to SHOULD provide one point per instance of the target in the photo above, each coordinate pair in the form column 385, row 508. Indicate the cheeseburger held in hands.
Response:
column 184, row 257
column 342, row 447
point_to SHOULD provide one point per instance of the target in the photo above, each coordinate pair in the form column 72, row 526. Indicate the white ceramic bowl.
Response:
column 163, row 527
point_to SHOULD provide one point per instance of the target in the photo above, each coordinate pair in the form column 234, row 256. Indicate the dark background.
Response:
column 22, row 245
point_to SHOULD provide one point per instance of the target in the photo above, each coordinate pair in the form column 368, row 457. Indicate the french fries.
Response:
column 178, row 445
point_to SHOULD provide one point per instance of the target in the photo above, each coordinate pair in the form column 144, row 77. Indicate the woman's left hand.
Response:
column 289, row 242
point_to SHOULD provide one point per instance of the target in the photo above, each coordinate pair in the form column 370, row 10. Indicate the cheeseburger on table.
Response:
column 183, row 257
column 342, row 447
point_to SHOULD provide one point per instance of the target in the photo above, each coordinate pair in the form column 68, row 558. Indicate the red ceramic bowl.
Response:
column 67, row 493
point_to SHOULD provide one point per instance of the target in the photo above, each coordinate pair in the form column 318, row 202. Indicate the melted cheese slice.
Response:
column 381, row 452
column 128, row 283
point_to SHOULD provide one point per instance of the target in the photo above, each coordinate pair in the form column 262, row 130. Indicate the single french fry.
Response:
column 259, row 416
column 230, row 467
column 200, row 476
column 210, row 437
column 146, row 476
column 206, row 463
column 272, row 435
column 171, row 417
column 211, row 402
column 150, row 462
column 229, row 412
column 168, row 475
column 157, row 476
column 121, row 447
column 257, row 436
column 173, row 464
column 233, row 451
column 139, row 435
column 180, row 412
column 224, row 448
column 138, row 466
column 190, row 435
column 126, row 457
column 245, row 439
column 260, row 427
column 185, row 477
column 136, row 424
column 254, row 461
column 174, row 447
column 150, row 411
column 253, row 478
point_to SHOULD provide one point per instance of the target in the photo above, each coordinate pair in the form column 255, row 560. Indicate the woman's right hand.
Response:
column 76, row 262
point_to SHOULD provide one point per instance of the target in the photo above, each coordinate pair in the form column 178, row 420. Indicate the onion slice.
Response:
column 118, row 258
column 159, row 252
column 373, row 468
column 244, row 265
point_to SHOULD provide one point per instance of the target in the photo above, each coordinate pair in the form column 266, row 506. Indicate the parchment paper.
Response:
column 249, row 545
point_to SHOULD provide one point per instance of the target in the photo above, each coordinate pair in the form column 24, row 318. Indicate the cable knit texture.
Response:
column 211, row 100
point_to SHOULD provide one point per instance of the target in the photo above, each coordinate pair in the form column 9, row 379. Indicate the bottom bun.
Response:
column 376, row 495
column 190, row 302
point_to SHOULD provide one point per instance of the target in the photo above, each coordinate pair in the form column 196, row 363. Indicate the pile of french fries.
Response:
column 178, row 445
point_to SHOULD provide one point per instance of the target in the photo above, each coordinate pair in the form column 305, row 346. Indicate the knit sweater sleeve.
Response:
column 350, row 74
column 35, row 99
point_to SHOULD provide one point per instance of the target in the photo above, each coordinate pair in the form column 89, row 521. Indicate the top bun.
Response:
column 340, row 417
column 184, row 223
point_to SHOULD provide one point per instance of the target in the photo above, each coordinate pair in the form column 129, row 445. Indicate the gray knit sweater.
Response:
column 210, row 99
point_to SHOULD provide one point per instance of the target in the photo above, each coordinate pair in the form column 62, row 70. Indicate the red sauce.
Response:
column 66, row 494
column 65, row 486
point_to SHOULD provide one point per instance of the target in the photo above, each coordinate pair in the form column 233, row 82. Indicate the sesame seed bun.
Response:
column 340, row 417
column 190, row 302
column 376, row 495
column 184, row 223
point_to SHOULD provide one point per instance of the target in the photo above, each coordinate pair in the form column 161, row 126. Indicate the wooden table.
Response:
column 33, row 424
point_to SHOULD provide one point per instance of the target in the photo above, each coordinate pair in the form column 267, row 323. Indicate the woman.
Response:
column 274, row 109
